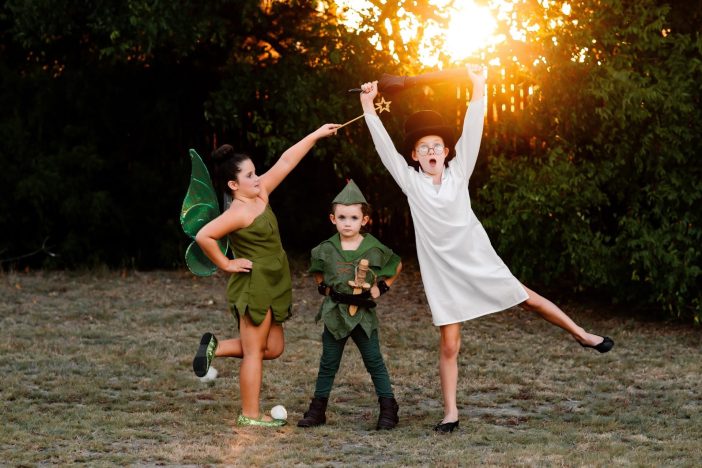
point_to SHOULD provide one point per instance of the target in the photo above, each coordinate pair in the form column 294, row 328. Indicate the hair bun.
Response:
column 222, row 153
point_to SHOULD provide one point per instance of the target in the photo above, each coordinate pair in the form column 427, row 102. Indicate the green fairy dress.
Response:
column 268, row 284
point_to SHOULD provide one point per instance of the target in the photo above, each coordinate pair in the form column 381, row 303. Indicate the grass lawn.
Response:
column 97, row 369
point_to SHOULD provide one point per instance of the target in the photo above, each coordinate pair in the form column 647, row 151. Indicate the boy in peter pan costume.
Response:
column 351, row 269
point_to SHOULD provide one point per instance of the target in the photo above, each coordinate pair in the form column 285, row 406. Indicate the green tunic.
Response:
column 268, row 284
column 338, row 267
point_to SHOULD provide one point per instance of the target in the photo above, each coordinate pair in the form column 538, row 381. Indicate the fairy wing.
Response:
column 200, row 206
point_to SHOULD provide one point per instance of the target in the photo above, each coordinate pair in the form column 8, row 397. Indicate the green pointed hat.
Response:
column 350, row 195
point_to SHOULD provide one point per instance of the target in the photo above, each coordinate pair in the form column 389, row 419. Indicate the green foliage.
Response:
column 550, row 205
column 116, row 31
column 613, row 196
column 102, row 99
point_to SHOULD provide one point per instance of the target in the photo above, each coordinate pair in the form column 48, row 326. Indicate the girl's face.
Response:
column 431, row 153
column 247, row 183
column 348, row 220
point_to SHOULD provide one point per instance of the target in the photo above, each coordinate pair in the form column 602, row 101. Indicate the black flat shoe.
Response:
column 605, row 345
column 205, row 354
column 445, row 428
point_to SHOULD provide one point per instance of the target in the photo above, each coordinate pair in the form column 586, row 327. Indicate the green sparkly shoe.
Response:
column 205, row 354
column 246, row 421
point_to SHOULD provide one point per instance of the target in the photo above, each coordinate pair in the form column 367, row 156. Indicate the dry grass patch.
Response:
column 96, row 370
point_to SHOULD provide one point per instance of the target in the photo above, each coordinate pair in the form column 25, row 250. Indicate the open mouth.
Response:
column 432, row 162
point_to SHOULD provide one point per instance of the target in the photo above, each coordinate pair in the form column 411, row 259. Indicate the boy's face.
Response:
column 348, row 220
column 431, row 153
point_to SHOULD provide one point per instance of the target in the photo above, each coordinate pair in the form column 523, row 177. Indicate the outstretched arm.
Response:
column 293, row 155
column 393, row 161
column 468, row 145
column 477, row 77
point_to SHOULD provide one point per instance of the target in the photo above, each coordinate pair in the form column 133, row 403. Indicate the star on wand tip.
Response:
column 380, row 106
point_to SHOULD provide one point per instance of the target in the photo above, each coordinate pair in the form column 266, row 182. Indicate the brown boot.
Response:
column 387, row 419
column 315, row 415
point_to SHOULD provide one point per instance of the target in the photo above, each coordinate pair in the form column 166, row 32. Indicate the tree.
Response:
column 613, row 188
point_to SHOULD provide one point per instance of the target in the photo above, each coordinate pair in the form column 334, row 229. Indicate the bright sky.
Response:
column 471, row 31
column 471, row 28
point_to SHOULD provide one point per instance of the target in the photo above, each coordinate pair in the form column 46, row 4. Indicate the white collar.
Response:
column 430, row 178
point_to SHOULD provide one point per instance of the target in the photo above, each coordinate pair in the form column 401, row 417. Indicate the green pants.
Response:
column 333, row 349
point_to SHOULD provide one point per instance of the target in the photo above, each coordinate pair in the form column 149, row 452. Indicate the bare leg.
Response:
column 450, row 345
column 253, row 341
column 274, row 346
column 552, row 313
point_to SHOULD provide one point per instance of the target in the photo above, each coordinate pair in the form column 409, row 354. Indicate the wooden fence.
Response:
column 507, row 97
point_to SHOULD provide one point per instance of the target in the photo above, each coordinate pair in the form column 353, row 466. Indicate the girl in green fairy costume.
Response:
column 344, row 311
column 259, row 289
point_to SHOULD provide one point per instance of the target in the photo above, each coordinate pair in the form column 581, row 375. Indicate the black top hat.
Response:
column 423, row 123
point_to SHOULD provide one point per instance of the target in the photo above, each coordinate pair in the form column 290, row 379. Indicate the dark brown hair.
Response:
column 365, row 208
column 227, row 165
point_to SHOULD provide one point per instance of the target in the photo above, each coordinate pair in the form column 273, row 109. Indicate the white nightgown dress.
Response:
column 463, row 276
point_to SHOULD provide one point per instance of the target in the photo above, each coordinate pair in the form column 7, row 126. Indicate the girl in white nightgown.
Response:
column 463, row 276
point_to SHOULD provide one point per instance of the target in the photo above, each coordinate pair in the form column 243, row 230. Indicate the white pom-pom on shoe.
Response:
column 210, row 376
